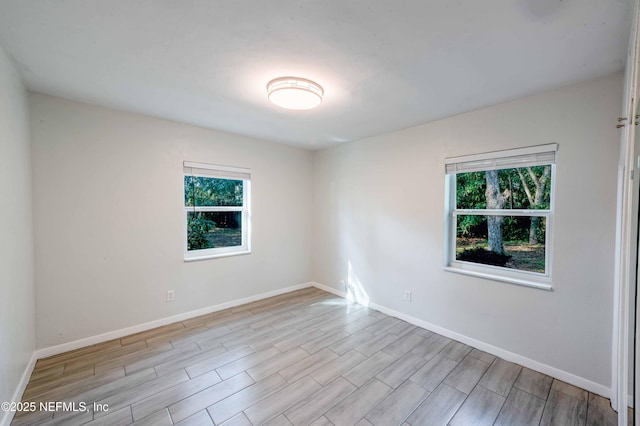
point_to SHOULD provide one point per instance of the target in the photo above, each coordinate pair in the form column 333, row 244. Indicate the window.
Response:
column 216, row 211
column 500, row 215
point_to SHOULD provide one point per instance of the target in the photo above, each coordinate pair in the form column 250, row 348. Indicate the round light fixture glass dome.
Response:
column 294, row 93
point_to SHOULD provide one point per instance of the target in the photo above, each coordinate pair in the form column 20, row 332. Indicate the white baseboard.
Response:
column 330, row 289
column 494, row 350
column 22, row 385
column 6, row 419
column 116, row 334
column 565, row 376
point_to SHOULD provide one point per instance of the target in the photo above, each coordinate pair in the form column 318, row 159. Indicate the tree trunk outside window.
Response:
column 536, row 198
column 495, row 200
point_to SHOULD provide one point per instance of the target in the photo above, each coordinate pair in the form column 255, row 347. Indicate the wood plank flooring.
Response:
column 303, row 358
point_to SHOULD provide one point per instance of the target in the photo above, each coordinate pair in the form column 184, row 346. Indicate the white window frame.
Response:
column 498, row 160
column 219, row 172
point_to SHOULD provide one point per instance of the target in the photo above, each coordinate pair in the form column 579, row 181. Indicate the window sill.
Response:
column 215, row 256
column 501, row 278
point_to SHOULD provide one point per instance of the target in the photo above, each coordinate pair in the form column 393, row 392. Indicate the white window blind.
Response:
column 213, row 171
column 512, row 158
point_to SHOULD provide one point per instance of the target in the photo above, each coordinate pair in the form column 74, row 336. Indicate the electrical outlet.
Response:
column 171, row 295
column 407, row 296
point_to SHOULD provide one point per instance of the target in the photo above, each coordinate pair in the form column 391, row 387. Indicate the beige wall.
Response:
column 108, row 218
column 379, row 220
column 17, row 328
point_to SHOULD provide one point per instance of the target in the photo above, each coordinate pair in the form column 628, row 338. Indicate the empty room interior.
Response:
column 318, row 213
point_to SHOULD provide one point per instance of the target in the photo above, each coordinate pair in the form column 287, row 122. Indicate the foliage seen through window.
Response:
column 514, row 241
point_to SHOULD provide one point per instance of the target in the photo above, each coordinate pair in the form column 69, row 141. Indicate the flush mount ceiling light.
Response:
column 295, row 93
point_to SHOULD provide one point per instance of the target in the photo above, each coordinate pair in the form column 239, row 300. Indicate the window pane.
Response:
column 204, row 191
column 188, row 191
column 206, row 230
column 521, row 188
column 514, row 242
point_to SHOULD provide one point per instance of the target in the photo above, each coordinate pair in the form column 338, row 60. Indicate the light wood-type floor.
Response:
column 306, row 357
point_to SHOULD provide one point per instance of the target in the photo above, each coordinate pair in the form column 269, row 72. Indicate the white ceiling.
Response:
column 384, row 64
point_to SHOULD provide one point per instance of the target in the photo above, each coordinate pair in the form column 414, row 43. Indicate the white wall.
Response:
column 108, row 222
column 379, row 220
column 108, row 216
column 17, row 323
